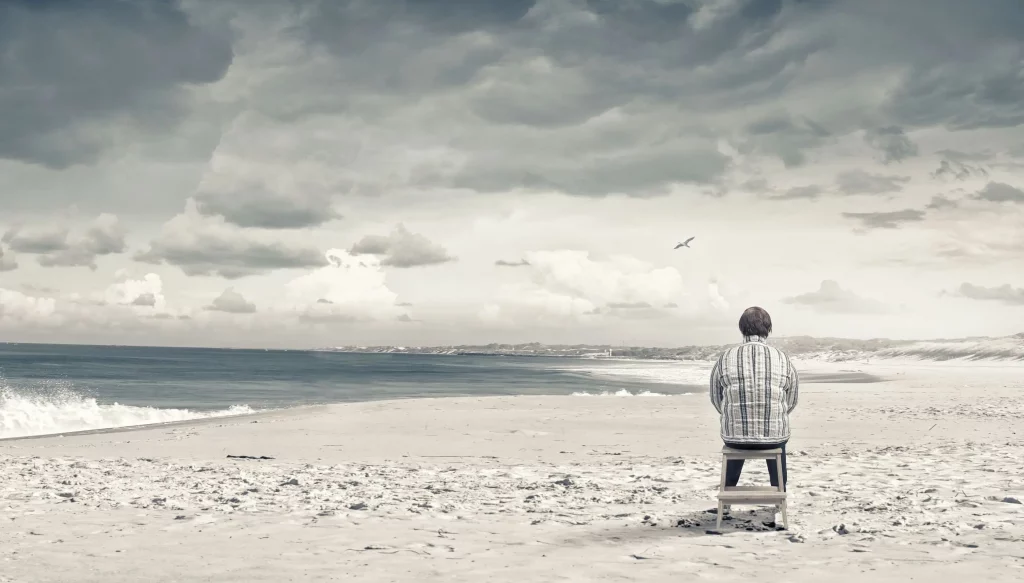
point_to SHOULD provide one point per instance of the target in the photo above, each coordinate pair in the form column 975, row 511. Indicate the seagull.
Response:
column 685, row 243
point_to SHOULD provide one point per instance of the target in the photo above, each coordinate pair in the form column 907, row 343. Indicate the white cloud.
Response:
column 619, row 279
column 715, row 296
column 347, row 288
column 831, row 297
column 17, row 306
column 529, row 306
column 571, row 285
column 144, row 293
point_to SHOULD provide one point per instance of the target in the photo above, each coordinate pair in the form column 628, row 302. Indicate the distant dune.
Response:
column 823, row 349
column 838, row 349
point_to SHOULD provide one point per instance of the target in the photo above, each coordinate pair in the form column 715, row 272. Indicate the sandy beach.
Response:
column 917, row 476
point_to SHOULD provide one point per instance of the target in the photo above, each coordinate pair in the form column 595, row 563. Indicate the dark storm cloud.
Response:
column 67, row 68
column 958, row 156
column 940, row 202
column 226, row 254
column 993, row 94
column 862, row 182
column 201, row 245
column 232, row 302
column 346, row 25
column 402, row 248
column 390, row 48
column 529, row 86
column 887, row 220
column 894, row 145
column 1006, row 293
column 526, row 92
column 59, row 247
column 44, row 240
column 104, row 237
column 585, row 97
column 785, row 138
column 969, row 75
column 808, row 192
column 637, row 173
column 70, row 257
column 8, row 262
column 258, row 207
column 956, row 170
column 229, row 259
column 1000, row 192
column 759, row 185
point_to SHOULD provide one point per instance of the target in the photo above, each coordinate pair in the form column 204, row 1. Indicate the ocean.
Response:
column 47, row 389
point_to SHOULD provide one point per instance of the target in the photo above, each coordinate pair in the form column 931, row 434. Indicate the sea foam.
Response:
column 674, row 373
column 65, row 411
column 619, row 393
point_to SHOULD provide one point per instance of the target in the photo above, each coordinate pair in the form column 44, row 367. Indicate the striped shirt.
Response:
column 754, row 387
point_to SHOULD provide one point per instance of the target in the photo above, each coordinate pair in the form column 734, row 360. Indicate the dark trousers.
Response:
column 733, row 468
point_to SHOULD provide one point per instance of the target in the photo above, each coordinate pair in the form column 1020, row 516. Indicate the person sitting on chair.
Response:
column 754, row 387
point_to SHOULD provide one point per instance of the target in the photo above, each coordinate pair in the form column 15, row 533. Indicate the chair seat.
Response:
column 750, row 489
column 750, row 454
column 750, row 497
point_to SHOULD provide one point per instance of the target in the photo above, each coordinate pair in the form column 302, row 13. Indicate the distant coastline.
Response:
column 807, row 347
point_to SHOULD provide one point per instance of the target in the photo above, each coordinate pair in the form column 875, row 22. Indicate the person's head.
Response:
column 755, row 321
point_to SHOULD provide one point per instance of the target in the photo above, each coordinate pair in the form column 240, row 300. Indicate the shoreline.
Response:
column 848, row 377
column 298, row 409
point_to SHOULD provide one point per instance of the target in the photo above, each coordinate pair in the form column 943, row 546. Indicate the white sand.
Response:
column 916, row 469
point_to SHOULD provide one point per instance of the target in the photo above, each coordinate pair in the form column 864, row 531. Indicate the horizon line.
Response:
column 365, row 346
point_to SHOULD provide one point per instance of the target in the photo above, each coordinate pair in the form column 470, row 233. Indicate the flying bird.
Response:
column 685, row 243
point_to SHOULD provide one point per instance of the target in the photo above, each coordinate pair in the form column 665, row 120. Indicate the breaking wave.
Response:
column 65, row 411
column 672, row 373
column 619, row 393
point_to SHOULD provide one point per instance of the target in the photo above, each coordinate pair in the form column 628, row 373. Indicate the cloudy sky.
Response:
column 310, row 173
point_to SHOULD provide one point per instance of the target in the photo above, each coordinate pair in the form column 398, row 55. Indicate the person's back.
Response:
column 754, row 387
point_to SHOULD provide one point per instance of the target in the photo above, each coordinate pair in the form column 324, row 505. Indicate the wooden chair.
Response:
column 769, row 495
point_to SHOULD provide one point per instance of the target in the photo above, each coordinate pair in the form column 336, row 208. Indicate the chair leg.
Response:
column 778, row 473
column 721, row 484
column 721, row 488
column 782, row 488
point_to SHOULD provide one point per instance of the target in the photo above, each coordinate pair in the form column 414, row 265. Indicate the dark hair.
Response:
column 755, row 321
